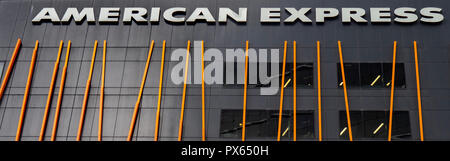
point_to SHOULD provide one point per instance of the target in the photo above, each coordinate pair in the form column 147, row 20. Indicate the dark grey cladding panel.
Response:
column 115, row 74
column 118, row 34
column 110, row 119
column 163, row 30
column 34, row 32
column 10, row 9
column 55, row 33
column 5, row 55
column 139, row 35
column 10, row 121
column 133, row 73
column 140, row 54
column 77, row 33
column 123, row 126
column 205, row 31
column 192, row 123
column 169, row 122
column 98, row 31
column 20, row 21
column 145, row 123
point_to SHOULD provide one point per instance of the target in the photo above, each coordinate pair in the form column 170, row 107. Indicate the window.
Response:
column 399, row 75
column 351, row 75
column 1, row 68
column 373, row 125
column 264, row 124
column 371, row 75
column 305, row 74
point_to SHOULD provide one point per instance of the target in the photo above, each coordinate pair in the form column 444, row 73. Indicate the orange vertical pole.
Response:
column 345, row 92
column 136, row 106
column 50, row 92
column 282, row 92
column 203, row 94
column 102, row 95
column 244, row 110
column 27, row 90
column 319, row 92
column 391, row 106
column 419, row 101
column 86, row 93
column 10, row 66
column 158, row 110
column 183, row 101
column 60, row 95
column 294, row 97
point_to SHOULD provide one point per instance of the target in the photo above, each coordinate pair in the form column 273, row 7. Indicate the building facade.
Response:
column 366, row 48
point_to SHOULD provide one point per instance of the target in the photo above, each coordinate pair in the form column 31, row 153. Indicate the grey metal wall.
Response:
column 128, row 46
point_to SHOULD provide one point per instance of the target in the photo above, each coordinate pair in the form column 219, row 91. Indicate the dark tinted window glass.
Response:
column 352, row 77
column 305, row 74
column 401, row 129
column 305, row 125
column 371, row 75
column 264, row 124
column 231, row 123
column 356, row 125
column 399, row 75
column 373, row 125
column 2, row 64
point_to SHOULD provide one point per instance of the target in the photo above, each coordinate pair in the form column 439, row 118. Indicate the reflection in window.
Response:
column 2, row 64
column 351, row 75
column 264, row 124
column 371, row 75
column 373, row 125
column 305, row 74
column 399, row 75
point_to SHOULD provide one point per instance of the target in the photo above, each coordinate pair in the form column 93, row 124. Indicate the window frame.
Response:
column 311, row 134
column 258, row 81
column 360, row 133
column 385, row 77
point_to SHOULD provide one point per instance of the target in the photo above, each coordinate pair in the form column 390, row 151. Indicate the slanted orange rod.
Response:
column 391, row 107
column 345, row 92
column 183, row 101
column 102, row 94
column 86, row 93
column 280, row 114
column 10, row 68
column 136, row 106
column 319, row 92
column 244, row 110
column 50, row 92
column 158, row 110
column 294, row 97
column 419, row 101
column 60, row 95
column 27, row 90
column 203, row 94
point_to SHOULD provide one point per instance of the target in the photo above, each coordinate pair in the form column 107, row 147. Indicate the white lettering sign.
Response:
column 239, row 15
